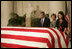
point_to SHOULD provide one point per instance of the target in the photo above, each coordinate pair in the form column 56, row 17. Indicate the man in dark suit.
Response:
column 44, row 21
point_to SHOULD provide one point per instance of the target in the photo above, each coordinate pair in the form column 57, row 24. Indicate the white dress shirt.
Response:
column 42, row 21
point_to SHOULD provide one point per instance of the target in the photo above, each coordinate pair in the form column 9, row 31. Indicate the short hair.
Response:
column 43, row 13
column 53, row 15
column 47, row 15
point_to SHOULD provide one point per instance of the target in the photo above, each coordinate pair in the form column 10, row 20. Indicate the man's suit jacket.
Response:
column 46, row 22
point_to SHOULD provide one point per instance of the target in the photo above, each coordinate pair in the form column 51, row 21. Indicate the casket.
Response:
column 32, row 37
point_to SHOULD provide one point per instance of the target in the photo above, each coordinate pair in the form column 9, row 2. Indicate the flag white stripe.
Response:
column 32, row 34
column 37, row 34
column 27, row 28
column 61, row 39
column 56, row 42
column 67, row 17
column 69, row 46
column 25, row 43
column 55, row 37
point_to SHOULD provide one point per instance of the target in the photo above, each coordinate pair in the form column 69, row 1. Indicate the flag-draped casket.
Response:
column 32, row 37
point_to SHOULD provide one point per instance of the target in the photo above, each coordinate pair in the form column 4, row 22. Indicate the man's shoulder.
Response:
column 47, row 18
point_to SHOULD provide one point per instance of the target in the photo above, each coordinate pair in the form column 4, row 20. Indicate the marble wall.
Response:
column 6, row 9
column 26, row 7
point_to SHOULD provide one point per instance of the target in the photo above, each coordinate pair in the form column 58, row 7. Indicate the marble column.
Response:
column 6, row 9
column 19, row 8
column 15, row 6
column 28, row 15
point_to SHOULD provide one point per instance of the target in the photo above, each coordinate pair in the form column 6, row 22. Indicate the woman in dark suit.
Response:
column 61, row 22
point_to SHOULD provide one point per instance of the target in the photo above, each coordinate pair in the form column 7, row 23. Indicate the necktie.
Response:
column 42, row 22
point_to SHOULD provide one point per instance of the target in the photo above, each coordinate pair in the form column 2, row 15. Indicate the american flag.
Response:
column 67, row 17
column 32, row 37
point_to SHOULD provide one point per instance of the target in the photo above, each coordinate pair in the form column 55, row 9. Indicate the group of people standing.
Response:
column 44, row 21
column 60, row 23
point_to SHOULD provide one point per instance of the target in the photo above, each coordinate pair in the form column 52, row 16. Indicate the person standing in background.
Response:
column 44, row 21
column 53, row 23
column 61, row 22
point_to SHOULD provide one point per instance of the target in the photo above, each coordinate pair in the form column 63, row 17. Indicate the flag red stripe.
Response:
column 53, row 39
column 67, row 30
column 42, row 31
column 34, row 30
column 27, row 38
column 67, row 40
column 59, row 43
column 67, row 19
column 26, row 30
column 63, row 36
column 8, row 45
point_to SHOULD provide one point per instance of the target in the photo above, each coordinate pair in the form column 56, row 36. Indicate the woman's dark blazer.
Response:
column 63, row 25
